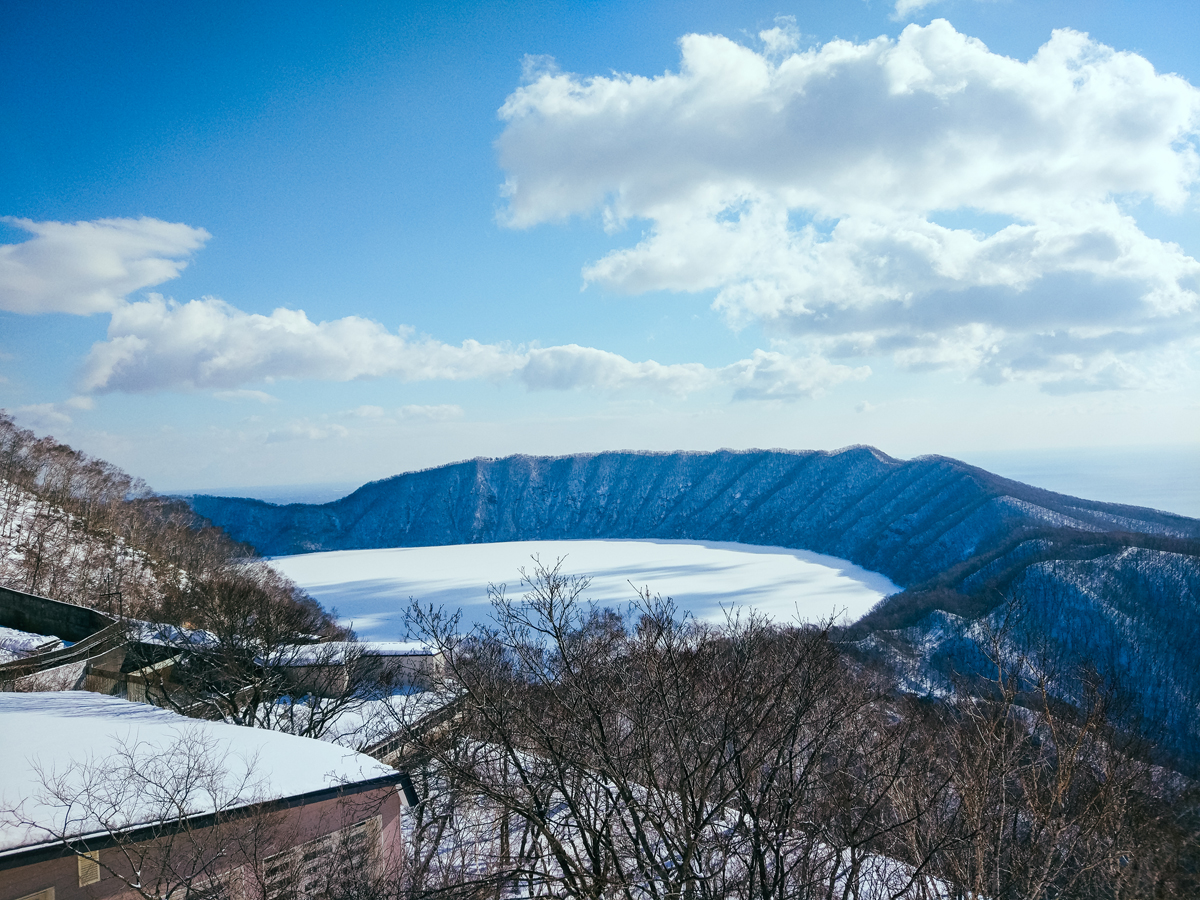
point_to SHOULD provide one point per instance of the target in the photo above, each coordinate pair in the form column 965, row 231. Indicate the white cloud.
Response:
column 781, row 39
column 572, row 366
column 766, row 375
column 53, row 416
column 157, row 344
column 905, row 8
column 245, row 394
column 90, row 267
column 43, row 416
column 769, row 375
column 440, row 412
column 807, row 193
column 412, row 412
column 366, row 412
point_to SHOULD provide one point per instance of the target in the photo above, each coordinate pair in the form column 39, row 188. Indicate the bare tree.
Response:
column 1051, row 798
column 643, row 755
column 251, row 649
column 81, row 530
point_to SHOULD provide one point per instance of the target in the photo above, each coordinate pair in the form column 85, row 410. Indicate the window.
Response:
column 226, row 886
column 89, row 867
column 310, row 869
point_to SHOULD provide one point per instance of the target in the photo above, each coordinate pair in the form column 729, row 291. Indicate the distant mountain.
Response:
column 1102, row 584
column 911, row 521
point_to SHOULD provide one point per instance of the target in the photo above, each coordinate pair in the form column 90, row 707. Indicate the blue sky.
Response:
column 256, row 244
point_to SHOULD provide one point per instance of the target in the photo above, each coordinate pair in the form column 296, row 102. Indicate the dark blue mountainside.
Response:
column 912, row 520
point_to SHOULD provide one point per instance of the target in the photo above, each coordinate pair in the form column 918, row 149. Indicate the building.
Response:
column 49, row 645
column 102, row 798
column 326, row 669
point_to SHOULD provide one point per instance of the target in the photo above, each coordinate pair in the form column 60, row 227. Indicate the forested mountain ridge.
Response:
column 913, row 521
column 1099, row 585
column 77, row 529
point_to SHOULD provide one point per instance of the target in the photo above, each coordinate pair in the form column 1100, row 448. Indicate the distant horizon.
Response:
column 1161, row 478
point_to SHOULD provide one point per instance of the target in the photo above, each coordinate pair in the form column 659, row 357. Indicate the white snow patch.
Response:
column 371, row 588
column 17, row 643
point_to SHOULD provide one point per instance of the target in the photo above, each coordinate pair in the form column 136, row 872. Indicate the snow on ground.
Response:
column 15, row 643
column 371, row 588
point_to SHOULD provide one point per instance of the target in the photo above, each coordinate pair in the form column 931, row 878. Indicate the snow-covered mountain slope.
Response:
column 911, row 521
column 47, row 550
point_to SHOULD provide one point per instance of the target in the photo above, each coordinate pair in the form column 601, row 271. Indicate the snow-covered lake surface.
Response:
column 371, row 588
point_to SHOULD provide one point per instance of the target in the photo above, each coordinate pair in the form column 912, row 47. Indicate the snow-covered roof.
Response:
column 165, row 635
column 361, row 726
column 75, row 737
column 333, row 653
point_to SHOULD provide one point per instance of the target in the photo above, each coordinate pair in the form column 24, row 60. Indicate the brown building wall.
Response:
column 270, row 832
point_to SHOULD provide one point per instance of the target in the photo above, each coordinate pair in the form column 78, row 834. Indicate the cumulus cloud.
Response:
column 43, row 416
column 907, row 9
column 366, row 412
column 920, row 197
column 90, row 267
column 572, row 366
column 769, row 375
column 157, row 344
column 781, row 39
column 53, row 416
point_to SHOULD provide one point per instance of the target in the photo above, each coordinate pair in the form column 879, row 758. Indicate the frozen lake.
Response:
column 371, row 588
